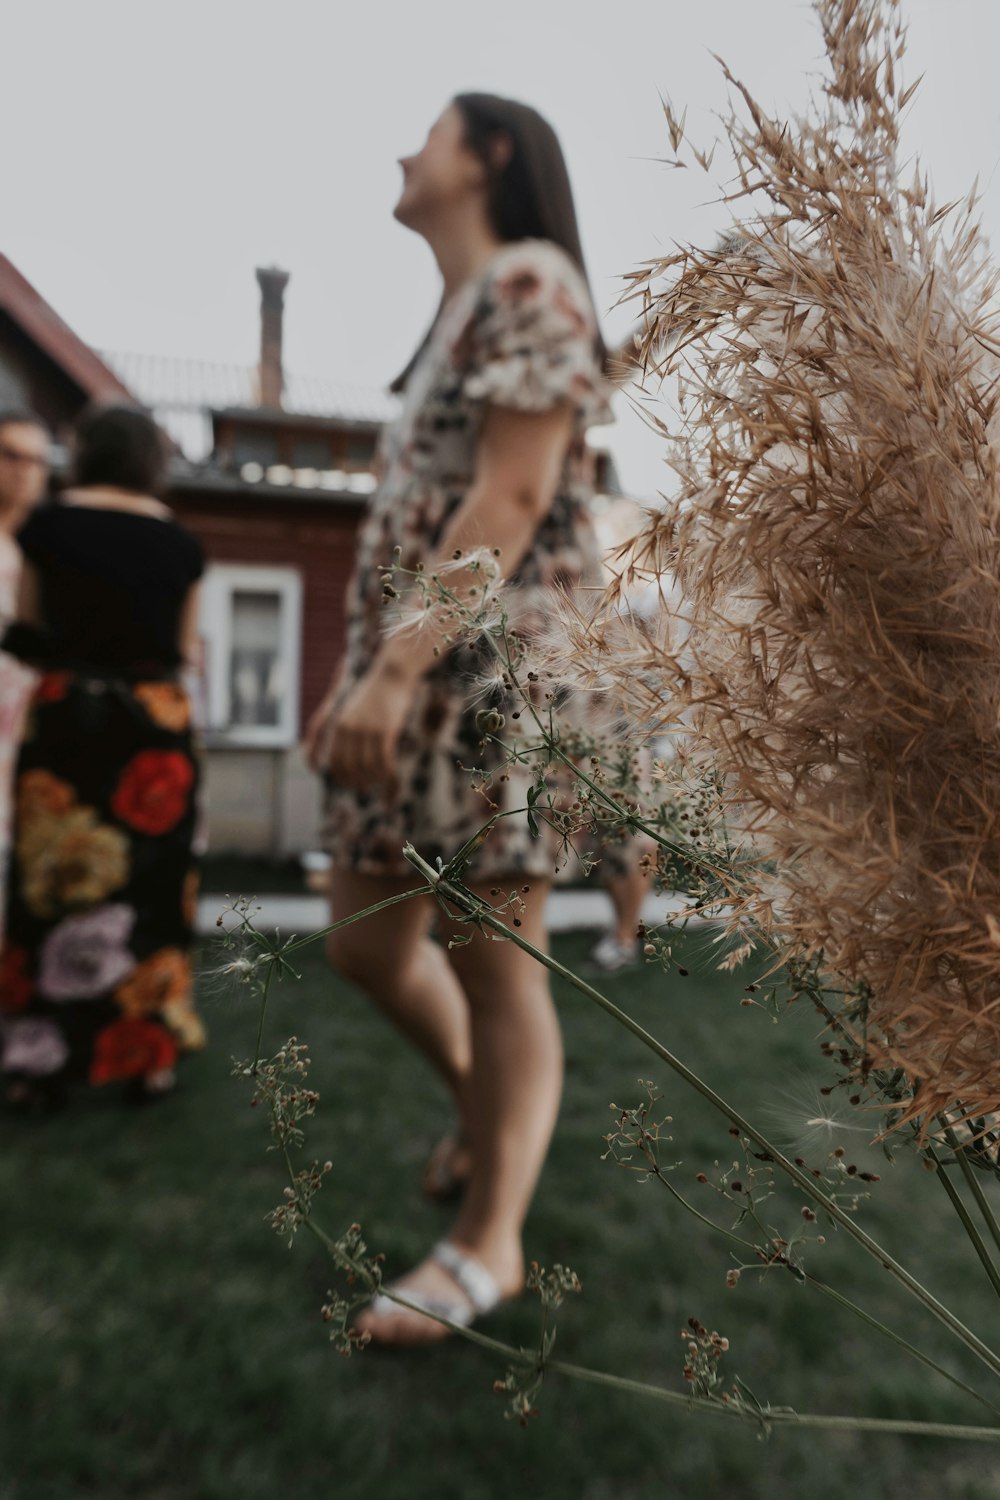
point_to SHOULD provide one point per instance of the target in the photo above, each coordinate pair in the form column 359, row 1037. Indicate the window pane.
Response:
column 311, row 453
column 256, row 670
column 251, row 447
column 361, row 452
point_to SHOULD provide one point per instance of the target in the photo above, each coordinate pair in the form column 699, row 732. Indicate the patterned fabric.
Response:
column 521, row 336
column 95, row 979
column 15, row 685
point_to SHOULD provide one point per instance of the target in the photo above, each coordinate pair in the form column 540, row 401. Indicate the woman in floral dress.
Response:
column 95, row 978
column 487, row 453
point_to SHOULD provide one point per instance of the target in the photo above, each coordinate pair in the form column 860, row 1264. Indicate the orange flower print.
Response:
column 161, row 980
column 152, row 794
column 70, row 862
column 166, row 704
column 130, row 1049
column 39, row 793
column 185, row 1025
column 16, row 984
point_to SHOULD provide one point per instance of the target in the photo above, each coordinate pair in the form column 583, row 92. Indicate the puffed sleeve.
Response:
column 529, row 343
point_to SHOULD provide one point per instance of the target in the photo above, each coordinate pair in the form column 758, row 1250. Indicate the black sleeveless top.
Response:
column 112, row 584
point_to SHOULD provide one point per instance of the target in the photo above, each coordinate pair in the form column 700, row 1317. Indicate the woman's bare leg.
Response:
column 391, row 957
column 513, row 1099
column 627, row 891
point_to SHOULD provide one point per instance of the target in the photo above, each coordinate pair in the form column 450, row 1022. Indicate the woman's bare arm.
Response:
column 518, row 464
column 519, row 461
column 189, row 636
column 27, row 610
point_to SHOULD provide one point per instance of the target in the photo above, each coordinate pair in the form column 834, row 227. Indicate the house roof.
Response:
column 183, row 394
column 43, row 325
column 268, row 485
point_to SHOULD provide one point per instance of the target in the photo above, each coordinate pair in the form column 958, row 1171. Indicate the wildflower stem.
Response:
column 904, row 1344
column 418, row 890
column 640, row 825
column 968, row 1224
column 838, row 1297
column 969, row 1173
column 482, row 913
column 782, row 1415
column 260, row 1019
column 540, row 1363
column 719, row 1408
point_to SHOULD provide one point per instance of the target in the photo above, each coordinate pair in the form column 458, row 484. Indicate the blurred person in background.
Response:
column 24, row 473
column 627, row 885
column 488, row 453
column 95, row 977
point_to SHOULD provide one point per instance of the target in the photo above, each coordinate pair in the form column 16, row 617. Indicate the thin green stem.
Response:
column 778, row 1415
column 482, row 913
column 968, row 1224
column 639, row 824
column 418, row 890
column 541, row 1365
column 975, row 1187
column 786, row 1416
column 263, row 1012
column 838, row 1297
column 904, row 1344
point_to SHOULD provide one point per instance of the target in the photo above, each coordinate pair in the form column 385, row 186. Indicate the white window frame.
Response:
column 221, row 582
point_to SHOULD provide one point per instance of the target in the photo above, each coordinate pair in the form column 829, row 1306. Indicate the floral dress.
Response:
column 95, row 976
column 521, row 336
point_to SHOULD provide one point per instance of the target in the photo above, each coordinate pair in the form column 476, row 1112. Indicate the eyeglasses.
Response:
column 15, row 456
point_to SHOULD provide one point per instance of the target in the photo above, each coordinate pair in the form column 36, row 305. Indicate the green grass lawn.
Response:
column 159, row 1341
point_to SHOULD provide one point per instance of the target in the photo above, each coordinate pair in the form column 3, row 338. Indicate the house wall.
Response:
column 317, row 538
column 262, row 802
column 265, row 801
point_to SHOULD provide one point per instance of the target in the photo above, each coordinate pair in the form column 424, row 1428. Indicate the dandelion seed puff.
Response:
column 479, row 560
column 812, row 1124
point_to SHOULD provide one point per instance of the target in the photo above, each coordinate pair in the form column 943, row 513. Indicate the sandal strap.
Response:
column 471, row 1275
column 456, row 1312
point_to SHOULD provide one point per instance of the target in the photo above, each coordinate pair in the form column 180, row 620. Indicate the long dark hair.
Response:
column 528, row 194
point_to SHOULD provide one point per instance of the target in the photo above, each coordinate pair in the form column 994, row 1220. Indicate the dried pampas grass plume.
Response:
column 836, row 537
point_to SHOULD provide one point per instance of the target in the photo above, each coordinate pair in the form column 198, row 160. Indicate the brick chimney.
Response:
column 272, row 284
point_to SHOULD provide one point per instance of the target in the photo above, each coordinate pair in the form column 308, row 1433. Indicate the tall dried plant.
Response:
column 835, row 533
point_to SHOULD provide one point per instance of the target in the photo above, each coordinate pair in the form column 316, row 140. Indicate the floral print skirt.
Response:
column 95, row 974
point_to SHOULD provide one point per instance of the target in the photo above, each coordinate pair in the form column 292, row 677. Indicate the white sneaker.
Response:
column 609, row 954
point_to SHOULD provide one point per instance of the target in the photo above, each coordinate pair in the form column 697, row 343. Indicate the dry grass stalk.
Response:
column 836, row 536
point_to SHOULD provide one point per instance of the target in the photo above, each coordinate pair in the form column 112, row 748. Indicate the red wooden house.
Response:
column 271, row 473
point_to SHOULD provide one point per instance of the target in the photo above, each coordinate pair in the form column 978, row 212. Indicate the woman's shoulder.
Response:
column 544, row 257
column 58, row 522
column 537, row 273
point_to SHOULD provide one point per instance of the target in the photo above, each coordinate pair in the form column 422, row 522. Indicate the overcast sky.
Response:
column 156, row 151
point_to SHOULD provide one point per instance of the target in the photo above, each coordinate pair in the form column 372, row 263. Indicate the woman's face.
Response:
column 443, row 173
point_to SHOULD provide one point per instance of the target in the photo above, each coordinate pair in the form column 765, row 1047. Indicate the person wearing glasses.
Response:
column 95, row 972
column 24, row 473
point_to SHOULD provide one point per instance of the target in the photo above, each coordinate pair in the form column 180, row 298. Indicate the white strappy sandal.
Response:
column 481, row 1293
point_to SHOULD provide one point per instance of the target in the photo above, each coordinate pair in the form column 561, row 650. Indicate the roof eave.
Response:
column 188, row 479
column 271, row 416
